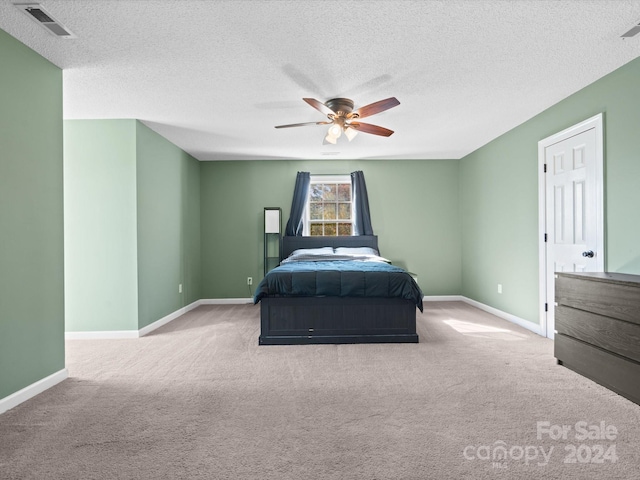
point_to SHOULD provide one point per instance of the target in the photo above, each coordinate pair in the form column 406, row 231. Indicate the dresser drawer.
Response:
column 601, row 295
column 620, row 337
column 607, row 369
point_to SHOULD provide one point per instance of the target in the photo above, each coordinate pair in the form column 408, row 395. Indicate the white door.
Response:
column 573, row 226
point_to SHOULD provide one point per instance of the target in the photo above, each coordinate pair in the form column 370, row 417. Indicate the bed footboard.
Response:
column 313, row 320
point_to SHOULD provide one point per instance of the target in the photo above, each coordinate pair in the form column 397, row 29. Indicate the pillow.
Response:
column 355, row 257
column 309, row 255
column 356, row 251
column 312, row 251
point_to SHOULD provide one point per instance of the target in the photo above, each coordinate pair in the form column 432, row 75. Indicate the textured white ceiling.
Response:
column 214, row 77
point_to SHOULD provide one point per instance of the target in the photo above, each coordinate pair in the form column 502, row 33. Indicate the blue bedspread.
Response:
column 339, row 279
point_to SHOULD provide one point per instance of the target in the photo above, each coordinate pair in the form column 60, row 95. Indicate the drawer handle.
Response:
column 588, row 254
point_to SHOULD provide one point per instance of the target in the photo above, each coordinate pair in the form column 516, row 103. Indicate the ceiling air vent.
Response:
column 44, row 18
column 632, row 33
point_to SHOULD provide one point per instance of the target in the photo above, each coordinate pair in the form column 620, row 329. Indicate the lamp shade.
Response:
column 272, row 220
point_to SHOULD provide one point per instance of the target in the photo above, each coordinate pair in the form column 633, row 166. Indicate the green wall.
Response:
column 132, row 226
column 31, row 212
column 414, row 210
column 499, row 195
column 100, row 225
column 168, row 205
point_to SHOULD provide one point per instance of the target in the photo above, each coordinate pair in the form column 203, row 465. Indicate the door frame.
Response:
column 595, row 122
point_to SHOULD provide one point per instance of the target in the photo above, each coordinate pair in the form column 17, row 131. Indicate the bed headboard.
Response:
column 289, row 244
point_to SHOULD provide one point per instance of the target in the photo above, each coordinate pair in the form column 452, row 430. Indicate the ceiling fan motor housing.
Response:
column 342, row 106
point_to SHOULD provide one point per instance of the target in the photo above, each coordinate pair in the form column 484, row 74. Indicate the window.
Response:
column 329, row 210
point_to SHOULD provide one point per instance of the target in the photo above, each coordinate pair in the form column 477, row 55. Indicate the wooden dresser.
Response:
column 598, row 328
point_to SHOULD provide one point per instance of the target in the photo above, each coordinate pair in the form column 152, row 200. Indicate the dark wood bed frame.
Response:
column 312, row 320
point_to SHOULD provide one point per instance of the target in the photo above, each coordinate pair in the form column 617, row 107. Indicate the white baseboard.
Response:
column 119, row 334
column 225, row 301
column 534, row 327
column 164, row 320
column 30, row 391
column 443, row 298
column 101, row 335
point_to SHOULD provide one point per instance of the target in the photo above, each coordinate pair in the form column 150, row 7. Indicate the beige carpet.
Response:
column 199, row 399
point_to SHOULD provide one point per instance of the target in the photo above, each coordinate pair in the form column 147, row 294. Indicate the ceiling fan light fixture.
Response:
column 350, row 133
column 335, row 130
column 331, row 139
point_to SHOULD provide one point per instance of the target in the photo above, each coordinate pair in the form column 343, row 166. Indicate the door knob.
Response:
column 588, row 254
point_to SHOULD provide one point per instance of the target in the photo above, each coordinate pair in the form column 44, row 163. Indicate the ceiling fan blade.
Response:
column 373, row 129
column 376, row 107
column 302, row 124
column 318, row 105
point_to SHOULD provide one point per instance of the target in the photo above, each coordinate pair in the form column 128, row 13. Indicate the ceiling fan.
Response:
column 343, row 118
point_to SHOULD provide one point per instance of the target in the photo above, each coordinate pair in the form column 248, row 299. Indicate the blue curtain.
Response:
column 362, row 216
column 300, row 194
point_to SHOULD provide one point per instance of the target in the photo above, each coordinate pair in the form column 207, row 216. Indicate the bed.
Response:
column 309, row 300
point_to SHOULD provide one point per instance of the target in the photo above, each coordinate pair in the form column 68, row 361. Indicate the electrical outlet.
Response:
column 499, row 288
column 249, row 280
column 179, row 288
